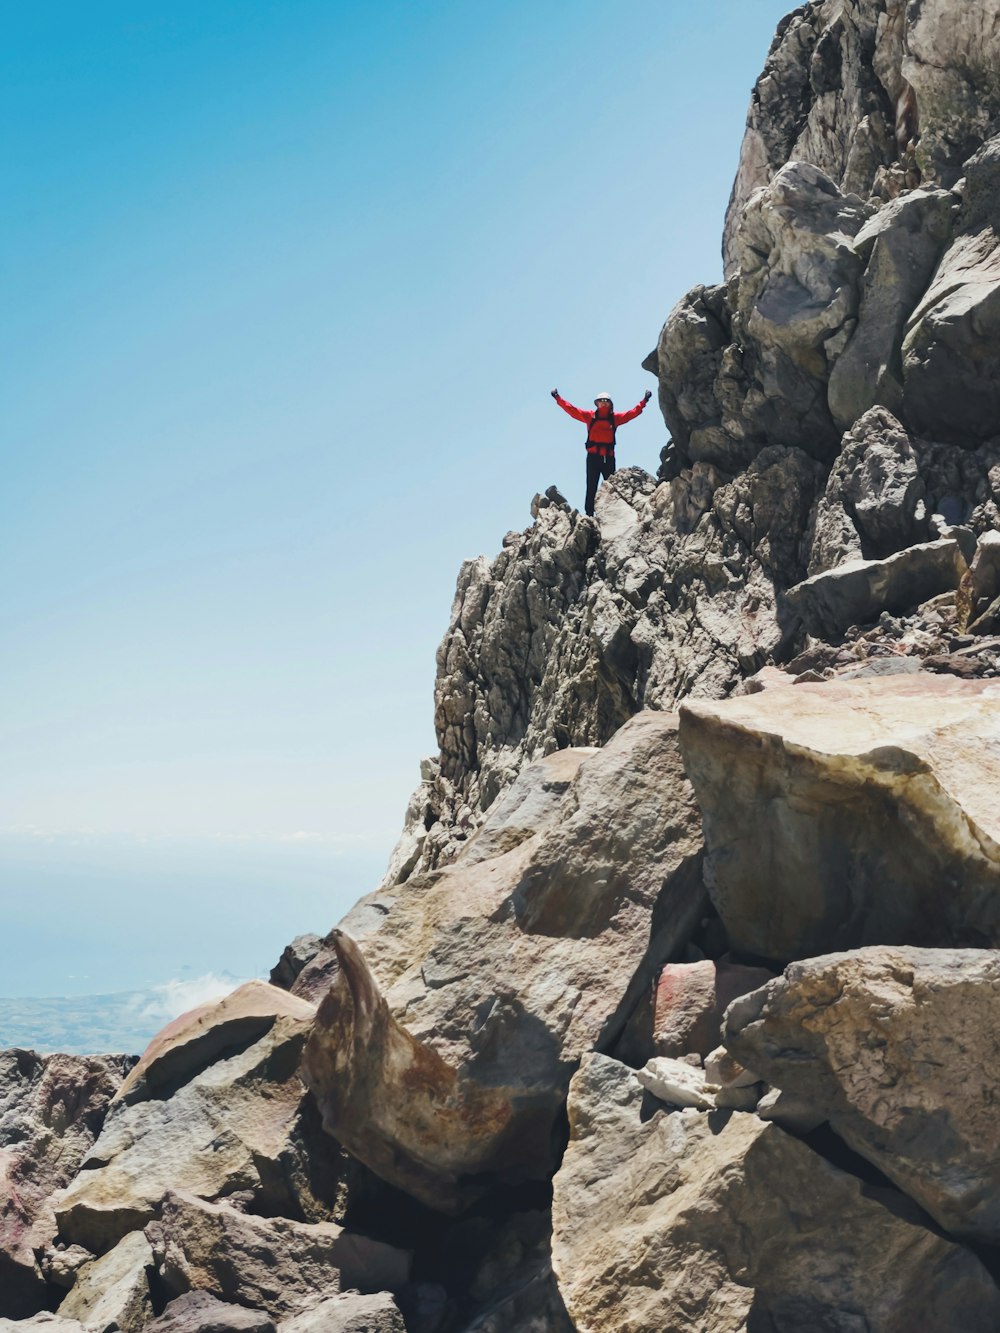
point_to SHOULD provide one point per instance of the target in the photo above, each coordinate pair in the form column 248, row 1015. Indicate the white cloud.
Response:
column 164, row 1003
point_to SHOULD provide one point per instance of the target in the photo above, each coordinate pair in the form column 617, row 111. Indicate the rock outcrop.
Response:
column 51, row 1111
column 897, row 1049
column 462, row 1003
column 272, row 1264
column 687, row 1219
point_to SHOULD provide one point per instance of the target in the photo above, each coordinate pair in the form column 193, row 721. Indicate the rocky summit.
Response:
column 676, row 1009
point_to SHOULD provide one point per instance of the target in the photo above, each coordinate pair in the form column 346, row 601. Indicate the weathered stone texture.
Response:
column 851, row 813
column 680, row 1220
column 898, row 1049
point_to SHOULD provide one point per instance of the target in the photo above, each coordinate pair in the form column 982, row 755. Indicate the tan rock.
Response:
column 836, row 813
column 238, row 1125
column 680, row 1220
column 898, row 1049
column 113, row 1291
column 198, row 1038
column 268, row 1263
column 201, row 1312
column 677, row 1083
column 442, row 1052
column 349, row 1313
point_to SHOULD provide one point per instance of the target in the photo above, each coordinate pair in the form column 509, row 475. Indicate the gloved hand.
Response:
column 555, row 393
column 647, row 397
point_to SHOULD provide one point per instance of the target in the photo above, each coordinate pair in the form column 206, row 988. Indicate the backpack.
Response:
column 614, row 429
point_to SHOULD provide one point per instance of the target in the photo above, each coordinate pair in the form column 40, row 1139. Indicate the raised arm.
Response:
column 622, row 417
column 577, row 413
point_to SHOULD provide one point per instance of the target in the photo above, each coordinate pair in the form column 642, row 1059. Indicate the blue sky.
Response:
column 286, row 287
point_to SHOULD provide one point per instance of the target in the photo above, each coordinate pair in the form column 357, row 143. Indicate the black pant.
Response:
column 597, row 467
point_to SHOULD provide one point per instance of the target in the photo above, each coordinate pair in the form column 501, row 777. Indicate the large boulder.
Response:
column 241, row 1123
column 851, row 813
column 200, row 1037
column 51, row 1111
column 720, row 1221
column 442, row 1051
column 869, row 508
column 796, row 303
column 859, row 591
column 898, row 1049
column 901, row 246
column 268, row 1263
column 951, row 352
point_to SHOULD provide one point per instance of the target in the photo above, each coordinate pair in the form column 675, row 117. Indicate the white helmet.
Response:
column 600, row 396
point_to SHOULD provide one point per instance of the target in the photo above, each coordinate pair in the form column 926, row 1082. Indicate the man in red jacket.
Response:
column 601, row 426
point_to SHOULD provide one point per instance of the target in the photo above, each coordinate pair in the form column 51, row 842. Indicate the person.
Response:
column 601, row 426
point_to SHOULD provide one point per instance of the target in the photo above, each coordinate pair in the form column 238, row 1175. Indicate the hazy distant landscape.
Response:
column 95, row 1024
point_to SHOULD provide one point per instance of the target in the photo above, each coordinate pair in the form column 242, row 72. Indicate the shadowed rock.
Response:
column 268, row 1263
column 113, row 1291
column 201, row 1312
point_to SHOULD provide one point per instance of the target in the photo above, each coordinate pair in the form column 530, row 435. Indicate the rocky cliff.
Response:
column 675, row 1008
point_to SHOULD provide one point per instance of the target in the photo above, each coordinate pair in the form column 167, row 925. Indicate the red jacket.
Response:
column 600, row 436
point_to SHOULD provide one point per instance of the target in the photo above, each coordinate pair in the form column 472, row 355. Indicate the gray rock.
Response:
column 985, row 571
column 796, row 1114
column 561, row 639
column 201, row 1312
column 686, row 1220
column 827, row 95
column 349, row 1313
column 951, row 361
column 902, row 244
column 269, row 1263
column 441, row 1054
column 702, row 385
column 950, row 61
column 870, row 506
column 51, row 1111
column 858, row 592
column 795, row 303
column 897, row 1048
column 294, row 957
column 113, row 1291
column 798, row 788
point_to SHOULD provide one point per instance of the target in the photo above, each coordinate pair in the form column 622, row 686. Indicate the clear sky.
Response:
column 286, row 284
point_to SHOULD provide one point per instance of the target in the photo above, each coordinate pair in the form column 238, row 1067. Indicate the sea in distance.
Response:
column 107, row 939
